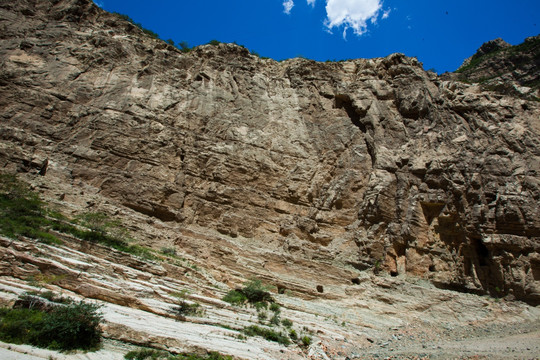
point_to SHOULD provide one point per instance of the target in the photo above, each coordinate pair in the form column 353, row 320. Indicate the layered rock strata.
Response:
column 365, row 163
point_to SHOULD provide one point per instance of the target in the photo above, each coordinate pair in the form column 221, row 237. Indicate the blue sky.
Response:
column 441, row 34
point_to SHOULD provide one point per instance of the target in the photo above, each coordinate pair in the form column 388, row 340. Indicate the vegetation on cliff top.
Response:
column 517, row 62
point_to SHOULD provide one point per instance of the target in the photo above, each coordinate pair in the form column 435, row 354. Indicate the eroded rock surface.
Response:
column 371, row 318
column 364, row 163
column 504, row 68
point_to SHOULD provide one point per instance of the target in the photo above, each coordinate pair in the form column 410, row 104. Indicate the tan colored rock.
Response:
column 295, row 158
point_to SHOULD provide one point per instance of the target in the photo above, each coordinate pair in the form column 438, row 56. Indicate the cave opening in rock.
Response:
column 482, row 252
column 320, row 288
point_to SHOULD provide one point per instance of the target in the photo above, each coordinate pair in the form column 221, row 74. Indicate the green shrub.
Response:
column 253, row 292
column 274, row 307
column 262, row 305
column 153, row 354
column 306, row 340
column 146, row 31
column 186, row 309
column 287, row 323
column 69, row 327
column 18, row 325
column 262, row 316
column 293, row 335
column 214, row 42
column 184, row 46
column 268, row 334
column 235, row 297
column 275, row 320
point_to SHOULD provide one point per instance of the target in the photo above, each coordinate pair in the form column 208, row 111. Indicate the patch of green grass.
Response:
column 275, row 307
column 144, row 354
column 293, row 335
column 109, row 233
column 261, row 315
column 275, row 320
column 74, row 326
column 153, row 354
column 261, row 305
column 267, row 334
column 22, row 213
column 287, row 323
column 306, row 340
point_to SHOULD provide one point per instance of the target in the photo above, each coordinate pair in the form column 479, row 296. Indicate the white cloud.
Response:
column 288, row 5
column 352, row 14
column 349, row 14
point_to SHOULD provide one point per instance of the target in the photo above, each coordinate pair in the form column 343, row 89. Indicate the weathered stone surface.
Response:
column 369, row 163
column 504, row 68
column 352, row 318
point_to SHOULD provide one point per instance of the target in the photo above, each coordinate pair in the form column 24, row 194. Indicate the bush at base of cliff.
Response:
column 75, row 326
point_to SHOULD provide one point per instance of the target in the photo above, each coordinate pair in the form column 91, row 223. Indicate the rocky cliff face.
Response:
column 507, row 69
column 370, row 163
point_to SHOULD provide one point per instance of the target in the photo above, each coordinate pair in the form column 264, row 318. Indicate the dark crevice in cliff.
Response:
column 157, row 211
column 370, row 149
column 345, row 102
